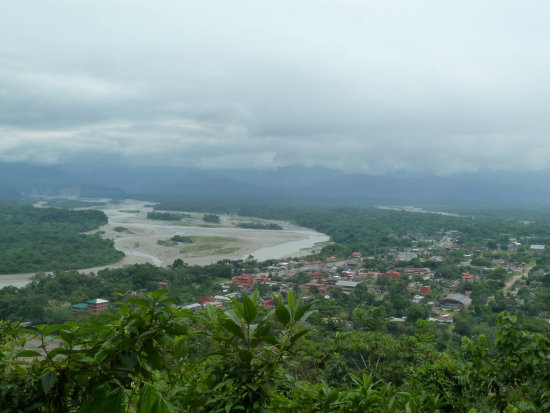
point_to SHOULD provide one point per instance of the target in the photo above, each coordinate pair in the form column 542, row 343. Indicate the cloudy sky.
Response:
column 372, row 86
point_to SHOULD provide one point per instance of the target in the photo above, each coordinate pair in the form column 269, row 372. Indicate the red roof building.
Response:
column 467, row 278
column 246, row 281
column 204, row 300
column 322, row 288
column 315, row 274
column 393, row 274
column 426, row 289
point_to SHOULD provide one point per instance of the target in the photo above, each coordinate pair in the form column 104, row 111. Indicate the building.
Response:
column 346, row 286
column 405, row 256
column 247, row 281
column 393, row 274
column 467, row 278
column 426, row 289
column 537, row 248
column 456, row 301
column 97, row 305
column 322, row 288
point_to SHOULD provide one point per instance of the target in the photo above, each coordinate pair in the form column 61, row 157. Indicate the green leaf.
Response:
column 262, row 331
column 250, row 310
column 28, row 353
column 155, row 295
column 290, row 299
column 232, row 327
column 147, row 399
column 212, row 313
column 48, row 380
column 66, row 336
column 54, row 327
column 298, row 335
column 140, row 302
column 238, row 309
column 24, row 331
column 300, row 312
column 177, row 329
column 282, row 314
column 245, row 356
column 105, row 400
column 180, row 348
column 233, row 316
column 151, row 401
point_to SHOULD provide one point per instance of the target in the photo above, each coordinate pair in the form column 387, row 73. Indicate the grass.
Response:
column 210, row 245
column 166, row 243
column 227, row 250
column 122, row 229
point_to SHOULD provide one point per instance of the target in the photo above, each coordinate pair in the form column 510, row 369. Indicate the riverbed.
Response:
column 138, row 237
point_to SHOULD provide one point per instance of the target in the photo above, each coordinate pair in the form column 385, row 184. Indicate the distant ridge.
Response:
column 290, row 184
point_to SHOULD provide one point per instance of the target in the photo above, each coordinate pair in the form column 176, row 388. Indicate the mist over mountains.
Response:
column 298, row 184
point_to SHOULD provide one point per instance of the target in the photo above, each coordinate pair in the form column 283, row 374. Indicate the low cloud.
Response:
column 359, row 86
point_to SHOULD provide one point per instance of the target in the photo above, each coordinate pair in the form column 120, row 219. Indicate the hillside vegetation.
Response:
column 151, row 357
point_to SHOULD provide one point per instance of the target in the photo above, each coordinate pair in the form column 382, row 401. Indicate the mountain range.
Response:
column 298, row 184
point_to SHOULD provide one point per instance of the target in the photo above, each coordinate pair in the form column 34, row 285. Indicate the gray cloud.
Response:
column 357, row 85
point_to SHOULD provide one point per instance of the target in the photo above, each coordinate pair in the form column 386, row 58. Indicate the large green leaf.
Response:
column 54, row 327
column 151, row 401
column 232, row 327
column 140, row 302
column 249, row 311
column 28, row 353
column 105, row 400
column 212, row 313
column 48, row 380
column 282, row 314
column 155, row 295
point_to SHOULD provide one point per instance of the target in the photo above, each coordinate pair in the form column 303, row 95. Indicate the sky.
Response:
column 363, row 86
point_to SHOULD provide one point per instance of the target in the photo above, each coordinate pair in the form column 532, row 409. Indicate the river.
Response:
column 140, row 242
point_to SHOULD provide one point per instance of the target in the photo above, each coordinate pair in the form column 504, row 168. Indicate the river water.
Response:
column 119, row 218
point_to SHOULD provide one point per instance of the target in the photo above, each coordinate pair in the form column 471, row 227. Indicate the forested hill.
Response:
column 44, row 239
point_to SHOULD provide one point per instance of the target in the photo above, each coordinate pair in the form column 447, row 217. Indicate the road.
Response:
column 524, row 272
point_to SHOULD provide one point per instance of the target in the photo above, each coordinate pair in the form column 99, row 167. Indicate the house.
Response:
column 315, row 274
column 356, row 254
column 97, row 305
column 467, row 278
column 414, row 271
column 247, row 281
column 393, row 274
column 405, row 256
column 192, row 307
column 425, row 289
column 537, row 248
column 346, row 286
column 456, row 301
column 417, row 298
column 322, row 288
column 353, row 264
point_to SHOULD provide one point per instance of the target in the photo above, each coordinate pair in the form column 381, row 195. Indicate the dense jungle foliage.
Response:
column 259, row 225
column 151, row 357
column 44, row 239
column 370, row 229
